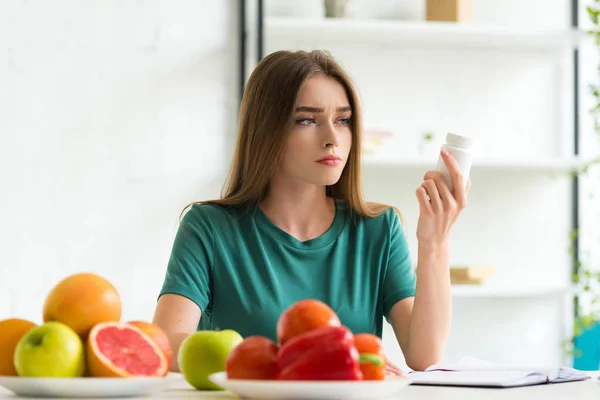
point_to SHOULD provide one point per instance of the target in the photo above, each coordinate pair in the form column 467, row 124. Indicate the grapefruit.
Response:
column 116, row 349
column 11, row 332
column 303, row 316
column 158, row 335
column 81, row 301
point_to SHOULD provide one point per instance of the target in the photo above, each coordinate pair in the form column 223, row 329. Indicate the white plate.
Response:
column 86, row 387
column 322, row 390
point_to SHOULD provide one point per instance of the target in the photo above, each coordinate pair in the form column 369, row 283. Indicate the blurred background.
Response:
column 116, row 114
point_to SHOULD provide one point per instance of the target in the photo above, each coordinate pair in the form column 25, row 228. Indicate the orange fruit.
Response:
column 81, row 301
column 11, row 332
column 304, row 316
column 158, row 336
column 116, row 349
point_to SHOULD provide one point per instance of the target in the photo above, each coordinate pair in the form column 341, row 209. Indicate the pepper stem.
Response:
column 368, row 358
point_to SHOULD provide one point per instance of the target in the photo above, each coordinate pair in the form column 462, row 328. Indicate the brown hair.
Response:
column 266, row 116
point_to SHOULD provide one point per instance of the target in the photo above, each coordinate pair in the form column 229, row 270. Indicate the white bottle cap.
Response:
column 458, row 140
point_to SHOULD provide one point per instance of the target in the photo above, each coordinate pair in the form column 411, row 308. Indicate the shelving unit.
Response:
column 417, row 32
column 476, row 291
column 558, row 165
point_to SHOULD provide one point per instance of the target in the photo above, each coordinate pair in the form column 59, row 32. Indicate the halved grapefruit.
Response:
column 157, row 335
column 117, row 349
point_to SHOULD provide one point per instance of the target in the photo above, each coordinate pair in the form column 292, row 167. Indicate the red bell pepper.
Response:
column 326, row 353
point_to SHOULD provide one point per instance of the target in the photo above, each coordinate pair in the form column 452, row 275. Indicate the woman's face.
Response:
column 319, row 143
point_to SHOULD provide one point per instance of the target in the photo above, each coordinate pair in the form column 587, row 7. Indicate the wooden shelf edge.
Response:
column 549, row 164
column 476, row 291
column 335, row 29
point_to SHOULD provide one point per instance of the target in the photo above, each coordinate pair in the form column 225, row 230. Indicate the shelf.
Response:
column 414, row 32
column 557, row 165
column 468, row 291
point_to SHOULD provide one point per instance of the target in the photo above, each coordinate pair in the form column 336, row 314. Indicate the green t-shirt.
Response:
column 243, row 271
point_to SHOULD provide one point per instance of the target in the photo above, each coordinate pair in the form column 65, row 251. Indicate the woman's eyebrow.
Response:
column 320, row 110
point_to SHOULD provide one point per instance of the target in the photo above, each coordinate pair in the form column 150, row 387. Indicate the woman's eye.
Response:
column 344, row 121
column 305, row 121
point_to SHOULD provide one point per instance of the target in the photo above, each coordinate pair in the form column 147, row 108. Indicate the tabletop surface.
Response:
column 588, row 389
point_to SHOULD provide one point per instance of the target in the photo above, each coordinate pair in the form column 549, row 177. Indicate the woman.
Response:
column 292, row 224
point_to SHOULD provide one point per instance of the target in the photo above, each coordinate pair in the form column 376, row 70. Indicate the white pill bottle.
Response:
column 460, row 148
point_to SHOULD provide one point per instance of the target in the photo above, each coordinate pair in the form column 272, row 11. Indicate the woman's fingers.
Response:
column 424, row 203
column 458, row 183
column 441, row 185
column 391, row 369
column 434, row 195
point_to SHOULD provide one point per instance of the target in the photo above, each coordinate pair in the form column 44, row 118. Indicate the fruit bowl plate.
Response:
column 321, row 390
column 87, row 387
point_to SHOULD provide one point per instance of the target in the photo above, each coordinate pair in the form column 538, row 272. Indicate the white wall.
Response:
column 103, row 104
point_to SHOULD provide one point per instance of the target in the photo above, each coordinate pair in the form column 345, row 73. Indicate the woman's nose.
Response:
column 330, row 135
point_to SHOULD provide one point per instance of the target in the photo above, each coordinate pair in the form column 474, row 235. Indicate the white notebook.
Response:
column 478, row 373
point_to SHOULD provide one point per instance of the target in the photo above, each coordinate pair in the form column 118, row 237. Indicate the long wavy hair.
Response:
column 266, row 118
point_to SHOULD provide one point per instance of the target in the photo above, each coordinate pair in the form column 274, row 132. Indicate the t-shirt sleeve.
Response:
column 400, row 278
column 188, row 269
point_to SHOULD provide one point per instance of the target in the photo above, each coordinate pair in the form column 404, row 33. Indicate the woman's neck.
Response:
column 305, row 212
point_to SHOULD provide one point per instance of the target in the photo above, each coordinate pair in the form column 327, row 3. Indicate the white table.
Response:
column 585, row 390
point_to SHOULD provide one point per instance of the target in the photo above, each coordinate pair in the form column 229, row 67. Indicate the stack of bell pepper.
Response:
column 326, row 353
column 331, row 353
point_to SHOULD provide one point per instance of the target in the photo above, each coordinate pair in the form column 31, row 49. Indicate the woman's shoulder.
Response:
column 377, row 218
column 210, row 213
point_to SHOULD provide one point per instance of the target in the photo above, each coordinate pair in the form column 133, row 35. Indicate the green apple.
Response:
column 50, row 350
column 205, row 352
